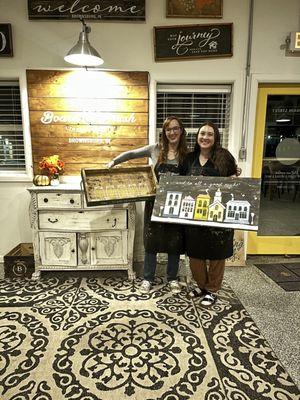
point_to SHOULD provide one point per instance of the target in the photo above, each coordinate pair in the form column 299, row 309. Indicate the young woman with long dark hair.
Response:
column 208, row 247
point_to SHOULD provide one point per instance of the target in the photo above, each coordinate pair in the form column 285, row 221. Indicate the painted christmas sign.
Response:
column 211, row 201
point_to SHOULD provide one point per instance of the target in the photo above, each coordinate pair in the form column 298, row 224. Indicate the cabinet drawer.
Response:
column 83, row 220
column 59, row 200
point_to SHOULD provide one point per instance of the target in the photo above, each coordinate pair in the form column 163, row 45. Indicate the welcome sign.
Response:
column 211, row 201
column 133, row 10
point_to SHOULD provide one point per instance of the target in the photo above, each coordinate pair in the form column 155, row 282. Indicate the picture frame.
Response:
column 194, row 8
column 6, row 43
column 182, row 42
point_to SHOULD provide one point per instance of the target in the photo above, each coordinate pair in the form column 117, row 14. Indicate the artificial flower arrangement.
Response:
column 52, row 164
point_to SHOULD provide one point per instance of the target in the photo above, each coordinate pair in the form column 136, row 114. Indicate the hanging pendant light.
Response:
column 83, row 53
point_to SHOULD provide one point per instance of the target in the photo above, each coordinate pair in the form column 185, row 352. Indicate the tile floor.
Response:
column 275, row 311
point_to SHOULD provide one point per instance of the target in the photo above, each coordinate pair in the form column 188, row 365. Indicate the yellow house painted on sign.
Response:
column 201, row 208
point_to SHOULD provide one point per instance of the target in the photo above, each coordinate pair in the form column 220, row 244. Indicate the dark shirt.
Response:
column 192, row 166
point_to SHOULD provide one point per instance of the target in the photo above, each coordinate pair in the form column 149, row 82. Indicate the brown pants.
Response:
column 209, row 276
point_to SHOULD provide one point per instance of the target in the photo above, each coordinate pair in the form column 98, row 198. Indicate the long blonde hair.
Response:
column 164, row 143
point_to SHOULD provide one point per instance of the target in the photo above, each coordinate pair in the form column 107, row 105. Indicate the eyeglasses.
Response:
column 174, row 129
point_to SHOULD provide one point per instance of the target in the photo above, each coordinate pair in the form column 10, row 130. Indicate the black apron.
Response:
column 162, row 237
column 203, row 242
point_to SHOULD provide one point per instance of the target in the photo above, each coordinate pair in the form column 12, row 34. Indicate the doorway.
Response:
column 276, row 160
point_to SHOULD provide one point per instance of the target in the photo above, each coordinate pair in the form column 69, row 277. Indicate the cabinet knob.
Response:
column 92, row 248
column 46, row 200
column 73, row 251
column 72, row 201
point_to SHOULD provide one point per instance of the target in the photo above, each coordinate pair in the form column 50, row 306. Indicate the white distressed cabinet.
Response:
column 68, row 235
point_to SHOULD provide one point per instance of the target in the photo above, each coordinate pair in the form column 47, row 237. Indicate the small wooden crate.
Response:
column 118, row 185
column 19, row 262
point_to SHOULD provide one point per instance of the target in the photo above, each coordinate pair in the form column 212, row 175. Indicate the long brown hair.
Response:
column 164, row 143
column 222, row 158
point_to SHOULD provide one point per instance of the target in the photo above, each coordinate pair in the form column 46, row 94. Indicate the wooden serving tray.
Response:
column 118, row 185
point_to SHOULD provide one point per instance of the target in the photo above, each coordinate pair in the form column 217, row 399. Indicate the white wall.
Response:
column 129, row 46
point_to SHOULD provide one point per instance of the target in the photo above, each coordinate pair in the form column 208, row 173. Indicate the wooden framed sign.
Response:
column 133, row 10
column 6, row 47
column 87, row 117
column 181, row 42
column 118, row 185
column 195, row 8
column 211, row 201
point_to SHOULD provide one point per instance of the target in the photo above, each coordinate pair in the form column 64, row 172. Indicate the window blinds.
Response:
column 12, row 155
column 194, row 104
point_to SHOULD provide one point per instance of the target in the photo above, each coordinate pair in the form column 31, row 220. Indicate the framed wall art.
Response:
column 113, row 10
column 192, row 41
column 211, row 201
column 6, row 46
column 195, row 8
column 89, row 127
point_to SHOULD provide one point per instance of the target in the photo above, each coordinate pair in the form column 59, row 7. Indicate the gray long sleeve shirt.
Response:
column 151, row 151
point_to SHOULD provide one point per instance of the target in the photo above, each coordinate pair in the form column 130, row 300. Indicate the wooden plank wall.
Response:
column 87, row 117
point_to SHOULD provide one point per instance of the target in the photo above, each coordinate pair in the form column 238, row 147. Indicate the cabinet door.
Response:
column 58, row 248
column 109, row 247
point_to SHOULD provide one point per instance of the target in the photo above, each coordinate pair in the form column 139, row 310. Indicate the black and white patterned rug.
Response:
column 98, row 338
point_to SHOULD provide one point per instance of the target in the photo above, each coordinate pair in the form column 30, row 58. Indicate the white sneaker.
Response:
column 209, row 299
column 145, row 286
column 175, row 287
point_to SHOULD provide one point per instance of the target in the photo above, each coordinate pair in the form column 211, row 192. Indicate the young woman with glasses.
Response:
column 167, row 157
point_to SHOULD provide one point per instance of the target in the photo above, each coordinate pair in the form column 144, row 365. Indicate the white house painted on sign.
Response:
column 216, row 212
column 187, row 207
column 216, row 209
column 237, row 211
column 172, row 204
